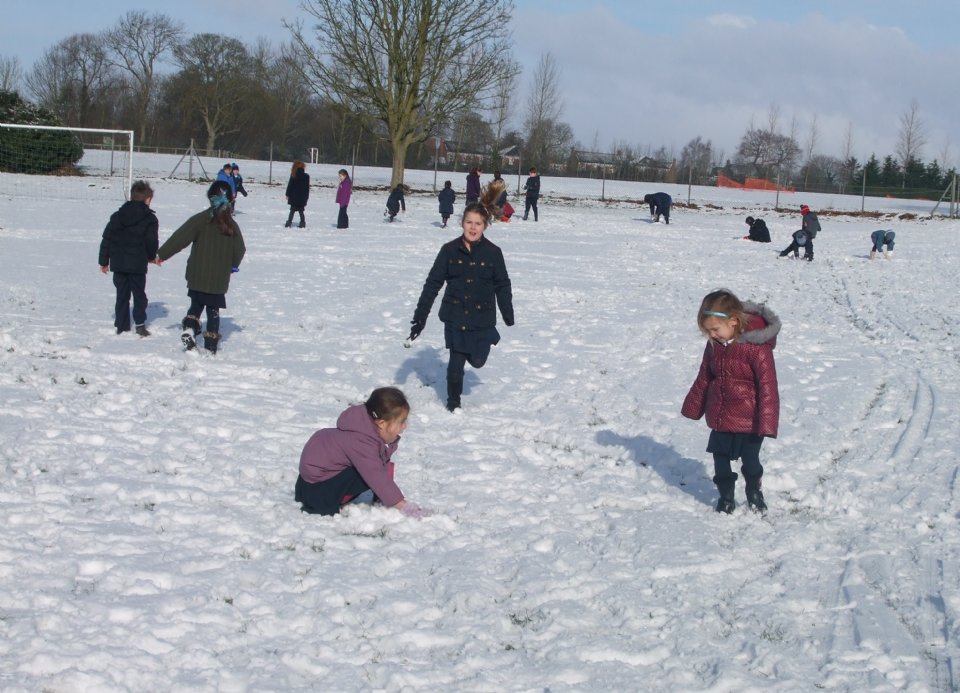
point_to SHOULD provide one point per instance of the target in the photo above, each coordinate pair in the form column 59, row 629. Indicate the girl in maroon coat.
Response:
column 737, row 389
column 351, row 463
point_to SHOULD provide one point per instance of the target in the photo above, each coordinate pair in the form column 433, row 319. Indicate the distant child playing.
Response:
column 737, row 389
column 446, row 198
column 396, row 202
column 129, row 243
column 352, row 462
column 881, row 238
column 344, row 189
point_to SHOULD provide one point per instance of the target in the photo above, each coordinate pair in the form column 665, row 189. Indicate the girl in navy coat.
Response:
column 298, row 192
column 446, row 197
column 477, row 283
column 737, row 389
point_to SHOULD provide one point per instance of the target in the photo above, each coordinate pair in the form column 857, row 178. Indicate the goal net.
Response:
column 43, row 161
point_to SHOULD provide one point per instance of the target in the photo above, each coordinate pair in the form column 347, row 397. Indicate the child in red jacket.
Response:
column 737, row 389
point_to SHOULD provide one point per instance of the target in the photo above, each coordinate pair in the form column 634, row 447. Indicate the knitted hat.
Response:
column 804, row 209
column 750, row 220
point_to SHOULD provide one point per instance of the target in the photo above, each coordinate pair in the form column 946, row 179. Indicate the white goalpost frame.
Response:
column 129, row 133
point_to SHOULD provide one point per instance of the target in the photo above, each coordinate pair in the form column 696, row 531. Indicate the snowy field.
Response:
column 150, row 541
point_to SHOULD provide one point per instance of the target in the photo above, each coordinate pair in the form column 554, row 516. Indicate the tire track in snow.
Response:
column 887, row 614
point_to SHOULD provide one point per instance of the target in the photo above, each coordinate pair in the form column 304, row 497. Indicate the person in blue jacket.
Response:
column 226, row 175
column 880, row 238
column 659, row 205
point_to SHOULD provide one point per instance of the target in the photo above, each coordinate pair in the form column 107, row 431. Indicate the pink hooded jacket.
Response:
column 355, row 442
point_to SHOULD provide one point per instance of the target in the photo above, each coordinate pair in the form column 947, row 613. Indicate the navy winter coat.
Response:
column 130, row 239
column 447, row 197
column 477, row 283
column 396, row 201
column 532, row 186
column 759, row 231
column 298, row 190
column 659, row 203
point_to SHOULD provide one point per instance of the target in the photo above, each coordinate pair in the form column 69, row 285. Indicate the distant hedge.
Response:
column 34, row 151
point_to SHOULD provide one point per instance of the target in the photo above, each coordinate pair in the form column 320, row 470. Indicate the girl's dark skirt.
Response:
column 474, row 343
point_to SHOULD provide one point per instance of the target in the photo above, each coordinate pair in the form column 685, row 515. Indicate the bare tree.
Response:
column 410, row 64
column 696, row 157
column 849, row 160
column 135, row 45
column 544, row 108
column 11, row 73
column 945, row 155
column 812, row 136
column 501, row 110
column 212, row 82
column 911, row 138
column 71, row 79
column 288, row 94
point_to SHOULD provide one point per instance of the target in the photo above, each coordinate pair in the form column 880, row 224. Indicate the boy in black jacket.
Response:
column 129, row 242
column 532, row 188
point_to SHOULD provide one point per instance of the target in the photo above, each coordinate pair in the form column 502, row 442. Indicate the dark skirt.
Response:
column 475, row 343
column 733, row 445
column 211, row 300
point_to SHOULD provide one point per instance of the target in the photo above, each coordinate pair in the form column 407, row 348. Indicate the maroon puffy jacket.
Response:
column 737, row 384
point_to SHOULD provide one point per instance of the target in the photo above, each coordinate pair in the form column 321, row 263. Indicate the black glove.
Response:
column 508, row 322
column 416, row 327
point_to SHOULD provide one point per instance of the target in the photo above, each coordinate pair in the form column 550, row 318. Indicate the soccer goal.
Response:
column 44, row 161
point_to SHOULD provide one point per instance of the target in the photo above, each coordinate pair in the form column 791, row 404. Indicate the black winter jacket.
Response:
column 447, row 197
column 130, row 239
column 396, row 200
column 759, row 231
column 477, row 283
column 532, row 186
column 298, row 190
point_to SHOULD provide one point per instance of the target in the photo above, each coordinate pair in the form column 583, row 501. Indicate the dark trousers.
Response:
column 130, row 284
column 343, row 222
column 326, row 497
column 455, row 369
column 750, row 465
column 665, row 211
column 213, row 314
column 530, row 203
column 303, row 221
column 795, row 249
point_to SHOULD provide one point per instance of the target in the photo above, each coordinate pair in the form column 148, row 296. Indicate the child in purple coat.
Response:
column 343, row 198
column 352, row 462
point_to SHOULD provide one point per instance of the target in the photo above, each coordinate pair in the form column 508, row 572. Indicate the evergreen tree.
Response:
column 34, row 151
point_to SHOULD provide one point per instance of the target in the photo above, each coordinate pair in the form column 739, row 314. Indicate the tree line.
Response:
column 372, row 80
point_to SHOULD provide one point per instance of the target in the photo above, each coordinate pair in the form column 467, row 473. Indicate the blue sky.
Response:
column 647, row 73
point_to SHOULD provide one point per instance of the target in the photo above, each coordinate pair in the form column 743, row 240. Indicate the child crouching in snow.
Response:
column 351, row 463
column 737, row 389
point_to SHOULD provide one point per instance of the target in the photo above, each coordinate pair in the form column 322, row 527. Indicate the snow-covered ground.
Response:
column 149, row 539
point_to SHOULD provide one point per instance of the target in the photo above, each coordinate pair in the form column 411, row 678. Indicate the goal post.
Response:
column 40, row 160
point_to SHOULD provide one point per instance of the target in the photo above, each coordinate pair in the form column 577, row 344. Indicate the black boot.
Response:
column 191, row 328
column 726, row 486
column 454, row 390
column 755, row 495
column 210, row 341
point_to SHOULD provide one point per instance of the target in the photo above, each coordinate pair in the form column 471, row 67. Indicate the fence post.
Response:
column 863, row 190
